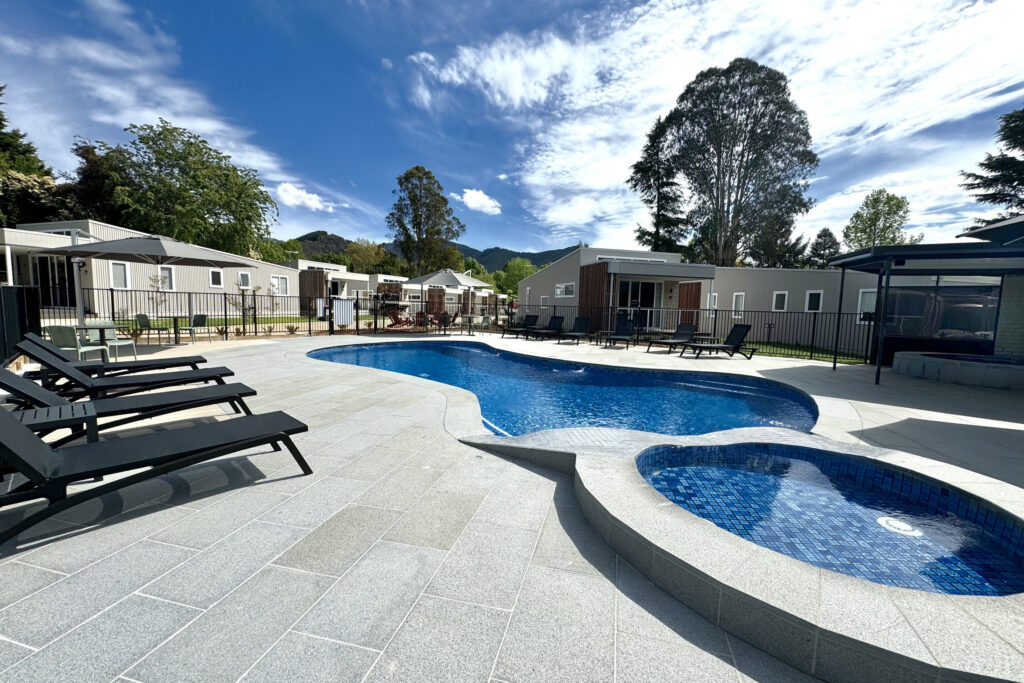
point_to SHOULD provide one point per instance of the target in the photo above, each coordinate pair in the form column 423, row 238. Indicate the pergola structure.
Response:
column 969, row 258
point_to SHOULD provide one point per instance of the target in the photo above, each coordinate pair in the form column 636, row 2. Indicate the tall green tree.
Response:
column 90, row 187
column 16, row 152
column 774, row 246
column 277, row 251
column 364, row 254
column 1001, row 180
column 421, row 223
column 477, row 270
column 507, row 279
column 653, row 177
column 170, row 181
column 880, row 220
column 824, row 247
column 29, row 199
column 741, row 150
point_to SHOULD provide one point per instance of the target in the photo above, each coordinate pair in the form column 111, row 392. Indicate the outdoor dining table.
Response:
column 103, row 329
column 174, row 319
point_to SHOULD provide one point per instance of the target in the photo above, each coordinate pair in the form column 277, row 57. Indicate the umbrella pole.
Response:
column 76, row 274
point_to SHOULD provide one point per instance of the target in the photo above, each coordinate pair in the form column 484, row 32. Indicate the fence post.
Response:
column 112, row 318
column 330, row 316
column 225, row 309
column 309, row 316
column 814, row 332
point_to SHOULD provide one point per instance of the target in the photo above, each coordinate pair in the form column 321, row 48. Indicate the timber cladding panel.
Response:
column 593, row 293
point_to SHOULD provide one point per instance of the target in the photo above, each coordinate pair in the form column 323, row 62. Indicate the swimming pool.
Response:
column 521, row 394
column 846, row 514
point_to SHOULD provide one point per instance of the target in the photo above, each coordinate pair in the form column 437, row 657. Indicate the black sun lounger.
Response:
column 528, row 323
column 580, row 330
column 553, row 328
column 733, row 344
column 683, row 334
column 50, row 470
column 121, row 367
column 99, row 387
column 132, row 408
column 623, row 332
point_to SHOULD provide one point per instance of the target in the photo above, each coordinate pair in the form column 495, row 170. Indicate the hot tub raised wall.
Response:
column 959, row 371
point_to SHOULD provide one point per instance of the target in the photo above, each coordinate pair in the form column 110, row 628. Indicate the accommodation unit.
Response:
column 53, row 274
column 601, row 281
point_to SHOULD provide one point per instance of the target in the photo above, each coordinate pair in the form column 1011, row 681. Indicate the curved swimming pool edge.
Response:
column 817, row 620
column 743, row 379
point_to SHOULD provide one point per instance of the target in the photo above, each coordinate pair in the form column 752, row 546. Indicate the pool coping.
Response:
column 830, row 625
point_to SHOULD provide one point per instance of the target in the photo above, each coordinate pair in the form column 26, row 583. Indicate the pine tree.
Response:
column 824, row 247
column 17, row 154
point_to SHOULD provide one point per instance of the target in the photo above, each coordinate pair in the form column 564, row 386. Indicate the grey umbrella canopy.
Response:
column 448, row 278
column 1010, row 231
column 162, row 251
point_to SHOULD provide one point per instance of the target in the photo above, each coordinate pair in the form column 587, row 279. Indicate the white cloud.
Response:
column 503, row 177
column 870, row 75
column 477, row 200
column 62, row 86
column 294, row 196
column 386, row 63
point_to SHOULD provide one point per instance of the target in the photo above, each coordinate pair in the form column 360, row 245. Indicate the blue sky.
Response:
column 528, row 113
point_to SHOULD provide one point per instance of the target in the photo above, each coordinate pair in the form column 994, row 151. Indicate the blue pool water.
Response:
column 522, row 394
column 846, row 514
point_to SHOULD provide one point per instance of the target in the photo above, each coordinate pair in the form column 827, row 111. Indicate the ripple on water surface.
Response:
column 522, row 394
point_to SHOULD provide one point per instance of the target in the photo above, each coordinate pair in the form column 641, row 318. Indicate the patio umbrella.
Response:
column 153, row 249
column 1009, row 231
column 449, row 278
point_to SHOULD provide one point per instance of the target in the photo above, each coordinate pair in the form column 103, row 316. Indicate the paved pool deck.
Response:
column 408, row 555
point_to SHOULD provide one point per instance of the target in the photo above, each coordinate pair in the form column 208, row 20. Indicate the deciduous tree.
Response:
column 1001, row 180
column 421, row 223
column 171, row 182
column 507, row 279
column 881, row 219
column 364, row 254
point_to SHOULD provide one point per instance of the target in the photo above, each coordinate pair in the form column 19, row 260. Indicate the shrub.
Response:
column 269, row 329
column 292, row 329
column 221, row 331
column 238, row 332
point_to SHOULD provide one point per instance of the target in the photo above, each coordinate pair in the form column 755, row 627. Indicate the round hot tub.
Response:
column 982, row 371
column 837, row 512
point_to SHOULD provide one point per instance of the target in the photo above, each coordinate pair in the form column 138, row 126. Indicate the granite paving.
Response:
column 408, row 555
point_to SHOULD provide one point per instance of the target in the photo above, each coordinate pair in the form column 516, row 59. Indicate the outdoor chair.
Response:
column 623, row 332
column 67, row 339
column 683, row 334
column 122, row 367
column 46, row 405
column 197, row 323
column 580, row 330
column 529, row 322
column 110, row 338
column 143, row 324
column 733, row 344
column 553, row 328
column 80, row 384
column 49, row 471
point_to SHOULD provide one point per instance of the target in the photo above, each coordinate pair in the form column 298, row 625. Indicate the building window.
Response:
column 414, row 297
column 779, row 301
column 244, row 280
column 544, row 301
column 738, row 299
column 712, row 303
column 812, row 304
column 167, row 278
column 529, row 290
column 449, row 299
column 865, row 304
column 565, row 290
column 119, row 275
column 279, row 284
column 217, row 278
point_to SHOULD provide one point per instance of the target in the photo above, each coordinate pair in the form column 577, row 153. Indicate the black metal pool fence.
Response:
column 246, row 313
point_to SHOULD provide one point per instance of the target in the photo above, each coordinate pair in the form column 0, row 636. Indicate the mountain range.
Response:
column 493, row 258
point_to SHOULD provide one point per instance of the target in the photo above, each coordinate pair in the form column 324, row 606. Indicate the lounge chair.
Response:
column 529, row 322
column 623, row 332
column 120, row 367
column 553, row 328
column 67, row 339
column 30, row 396
column 50, row 471
column 398, row 318
column 683, row 334
column 733, row 344
column 80, row 384
column 580, row 330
